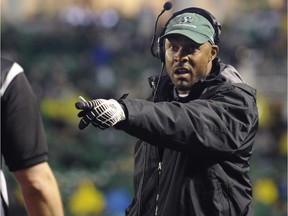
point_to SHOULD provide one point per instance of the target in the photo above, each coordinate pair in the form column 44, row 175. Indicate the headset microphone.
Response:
column 167, row 6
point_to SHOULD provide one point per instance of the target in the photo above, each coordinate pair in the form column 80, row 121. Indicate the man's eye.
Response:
column 173, row 48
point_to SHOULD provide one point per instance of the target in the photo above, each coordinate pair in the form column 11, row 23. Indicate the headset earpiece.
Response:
column 161, row 47
column 160, row 53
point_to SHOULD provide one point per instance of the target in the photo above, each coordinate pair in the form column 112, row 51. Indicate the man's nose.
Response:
column 181, row 55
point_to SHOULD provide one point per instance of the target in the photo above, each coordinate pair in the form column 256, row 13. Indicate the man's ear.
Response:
column 214, row 51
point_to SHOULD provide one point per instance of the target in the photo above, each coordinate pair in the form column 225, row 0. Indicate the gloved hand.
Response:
column 100, row 112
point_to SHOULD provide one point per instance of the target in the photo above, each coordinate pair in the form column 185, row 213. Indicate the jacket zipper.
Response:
column 160, row 164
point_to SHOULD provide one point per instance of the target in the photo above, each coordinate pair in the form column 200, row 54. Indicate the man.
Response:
column 196, row 137
column 24, row 147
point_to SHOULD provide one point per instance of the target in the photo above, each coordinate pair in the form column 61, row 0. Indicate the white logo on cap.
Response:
column 186, row 21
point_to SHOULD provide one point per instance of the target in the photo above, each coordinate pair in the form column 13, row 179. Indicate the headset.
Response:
column 160, row 52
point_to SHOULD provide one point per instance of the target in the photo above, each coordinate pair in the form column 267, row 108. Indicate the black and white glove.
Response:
column 100, row 112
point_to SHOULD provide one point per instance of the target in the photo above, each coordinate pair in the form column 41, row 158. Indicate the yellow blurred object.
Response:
column 18, row 194
column 61, row 108
column 283, row 144
column 87, row 200
column 263, row 109
column 265, row 191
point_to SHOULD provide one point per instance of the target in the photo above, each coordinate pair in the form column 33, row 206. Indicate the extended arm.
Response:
column 220, row 122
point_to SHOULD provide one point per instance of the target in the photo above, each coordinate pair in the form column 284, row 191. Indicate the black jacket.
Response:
column 192, row 157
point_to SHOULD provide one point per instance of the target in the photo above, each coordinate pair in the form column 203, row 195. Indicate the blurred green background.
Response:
column 102, row 49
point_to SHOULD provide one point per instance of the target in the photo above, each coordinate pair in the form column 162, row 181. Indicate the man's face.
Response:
column 187, row 62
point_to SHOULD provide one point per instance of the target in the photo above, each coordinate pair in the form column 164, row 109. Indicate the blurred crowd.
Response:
column 107, row 55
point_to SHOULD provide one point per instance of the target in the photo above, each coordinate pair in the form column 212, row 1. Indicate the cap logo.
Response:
column 187, row 21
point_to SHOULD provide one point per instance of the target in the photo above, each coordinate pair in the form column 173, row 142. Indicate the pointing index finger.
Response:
column 82, row 104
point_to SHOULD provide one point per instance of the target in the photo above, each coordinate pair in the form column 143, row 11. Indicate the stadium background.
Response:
column 102, row 49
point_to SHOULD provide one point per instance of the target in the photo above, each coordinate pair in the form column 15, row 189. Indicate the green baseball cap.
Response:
column 191, row 25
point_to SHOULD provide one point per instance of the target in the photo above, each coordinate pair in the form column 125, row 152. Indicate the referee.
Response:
column 24, row 146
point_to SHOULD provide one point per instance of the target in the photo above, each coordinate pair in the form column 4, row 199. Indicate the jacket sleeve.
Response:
column 220, row 122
